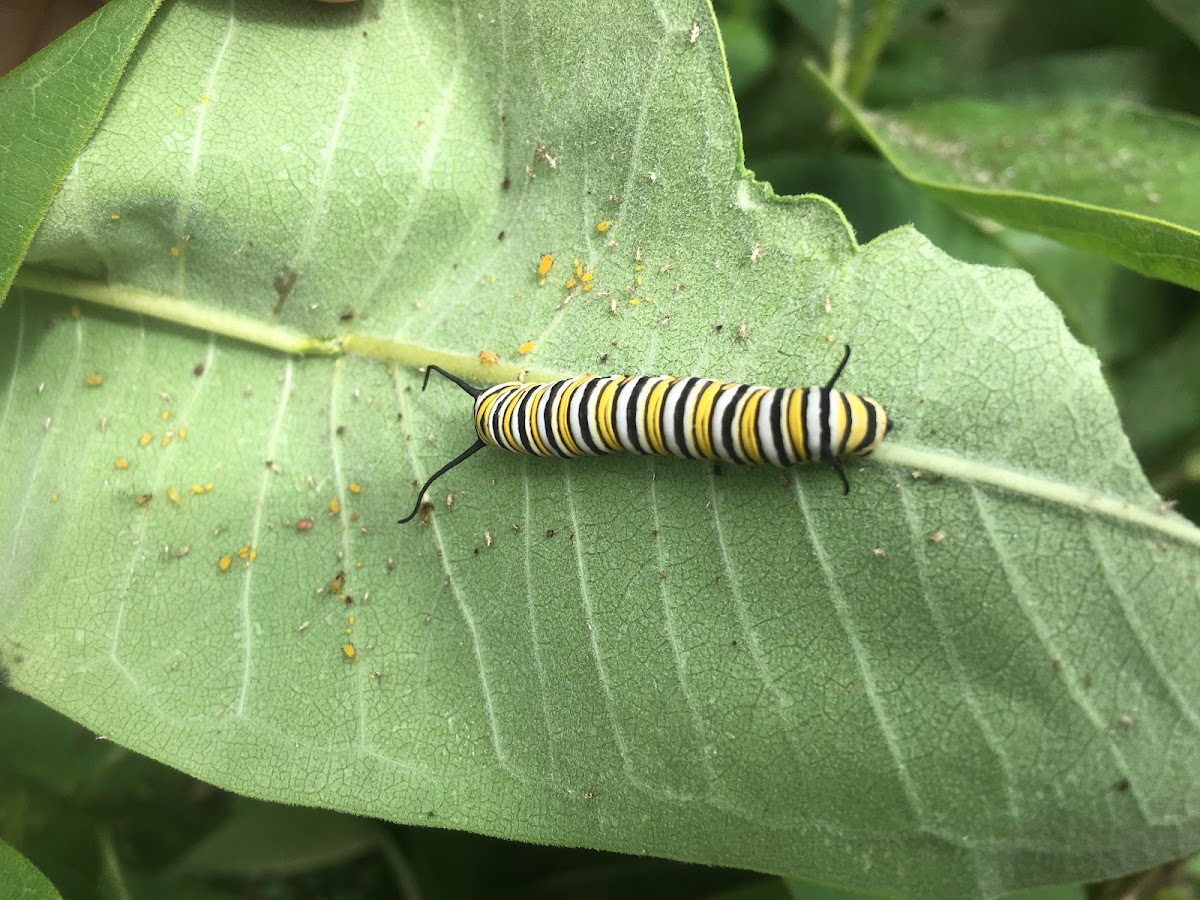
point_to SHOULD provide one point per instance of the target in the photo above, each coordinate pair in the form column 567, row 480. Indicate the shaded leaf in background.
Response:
column 51, row 103
column 920, row 688
column 1183, row 13
column 819, row 17
column 261, row 838
column 1107, row 179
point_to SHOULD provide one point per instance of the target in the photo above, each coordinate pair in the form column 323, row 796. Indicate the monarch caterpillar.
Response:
column 693, row 418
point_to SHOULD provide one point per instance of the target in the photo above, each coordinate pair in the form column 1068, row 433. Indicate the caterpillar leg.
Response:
column 466, row 454
column 837, row 467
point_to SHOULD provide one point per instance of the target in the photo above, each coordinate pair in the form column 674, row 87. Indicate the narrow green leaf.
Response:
column 50, row 105
column 971, row 675
column 1120, row 182
column 20, row 879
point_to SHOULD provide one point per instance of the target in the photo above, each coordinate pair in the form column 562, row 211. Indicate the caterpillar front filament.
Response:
column 692, row 418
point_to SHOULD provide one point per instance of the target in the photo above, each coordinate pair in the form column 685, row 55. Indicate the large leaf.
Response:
column 934, row 685
column 1114, row 180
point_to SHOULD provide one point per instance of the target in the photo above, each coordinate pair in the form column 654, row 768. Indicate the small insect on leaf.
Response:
column 488, row 358
column 604, row 226
column 94, row 380
column 348, row 651
column 545, row 264
column 225, row 562
column 335, row 506
column 121, row 463
column 525, row 348
column 304, row 525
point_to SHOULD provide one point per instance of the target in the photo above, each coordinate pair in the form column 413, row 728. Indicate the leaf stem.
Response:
column 880, row 19
column 110, row 866
column 839, row 48
column 181, row 312
column 1057, row 492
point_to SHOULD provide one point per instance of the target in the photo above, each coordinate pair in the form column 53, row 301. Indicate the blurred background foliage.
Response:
column 100, row 821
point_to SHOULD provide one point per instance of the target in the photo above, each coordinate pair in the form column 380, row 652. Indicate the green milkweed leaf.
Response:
column 972, row 674
column 1116, row 181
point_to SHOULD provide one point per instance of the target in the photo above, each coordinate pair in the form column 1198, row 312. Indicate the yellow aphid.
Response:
column 225, row 562
column 197, row 489
column 122, row 464
column 208, row 487
column 94, row 380
column 545, row 264
column 571, row 282
column 348, row 651
column 182, row 434
column 166, row 439
column 175, row 252
column 172, row 495
column 165, row 414
column 354, row 487
column 488, row 358
column 335, row 506
column 526, row 347
column 578, row 269
column 604, row 226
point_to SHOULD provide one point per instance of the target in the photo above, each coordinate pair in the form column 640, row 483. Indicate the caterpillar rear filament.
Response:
column 692, row 418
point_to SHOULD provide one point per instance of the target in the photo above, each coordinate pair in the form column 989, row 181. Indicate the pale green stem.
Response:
column 110, row 867
column 182, row 312
column 1158, row 519
column 407, row 884
column 839, row 48
column 866, row 53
